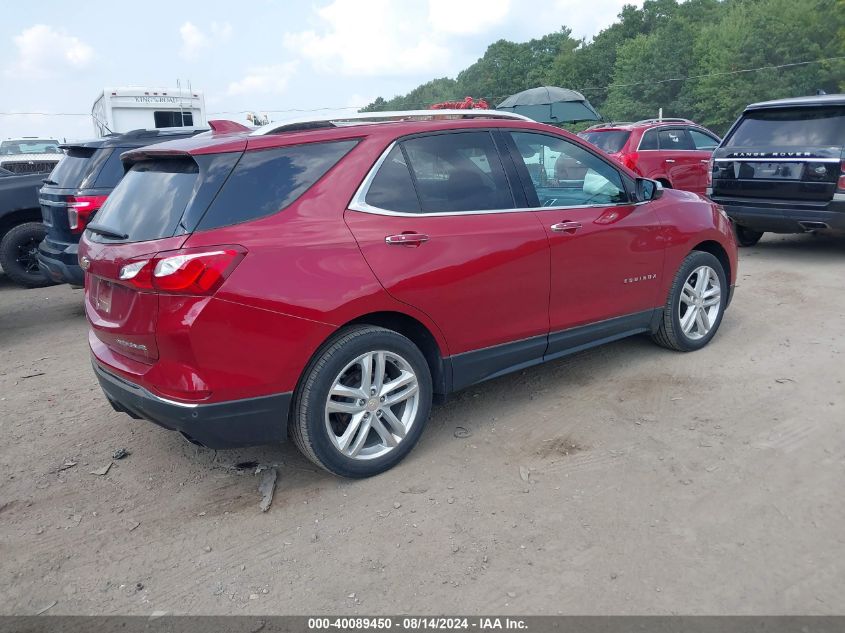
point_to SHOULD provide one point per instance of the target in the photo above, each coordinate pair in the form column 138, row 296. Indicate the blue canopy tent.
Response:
column 550, row 104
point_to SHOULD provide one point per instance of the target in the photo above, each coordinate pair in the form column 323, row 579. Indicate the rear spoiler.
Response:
column 224, row 126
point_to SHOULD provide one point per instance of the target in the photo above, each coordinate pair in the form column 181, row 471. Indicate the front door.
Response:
column 606, row 250
column 438, row 225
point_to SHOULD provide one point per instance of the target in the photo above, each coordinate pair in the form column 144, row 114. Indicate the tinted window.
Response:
column 150, row 200
column 13, row 148
column 649, row 140
column 458, row 172
column 610, row 141
column 392, row 187
column 173, row 119
column 266, row 181
column 565, row 174
column 675, row 140
column 112, row 170
column 796, row 127
column 703, row 141
column 77, row 166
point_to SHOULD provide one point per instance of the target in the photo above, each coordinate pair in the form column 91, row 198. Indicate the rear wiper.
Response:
column 106, row 231
column 47, row 181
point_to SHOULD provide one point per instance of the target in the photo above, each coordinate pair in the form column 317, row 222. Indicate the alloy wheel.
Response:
column 372, row 405
column 700, row 302
column 27, row 255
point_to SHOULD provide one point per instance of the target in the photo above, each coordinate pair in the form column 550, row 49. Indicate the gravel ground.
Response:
column 657, row 482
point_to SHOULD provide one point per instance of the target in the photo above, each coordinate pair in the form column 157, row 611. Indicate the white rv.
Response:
column 118, row 110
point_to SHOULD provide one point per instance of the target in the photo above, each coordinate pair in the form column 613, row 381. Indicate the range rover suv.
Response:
column 327, row 279
column 781, row 167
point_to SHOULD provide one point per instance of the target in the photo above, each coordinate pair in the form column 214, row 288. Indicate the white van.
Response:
column 118, row 110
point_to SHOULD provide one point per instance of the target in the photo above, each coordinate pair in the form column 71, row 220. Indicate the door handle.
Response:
column 670, row 160
column 704, row 160
column 566, row 227
column 406, row 239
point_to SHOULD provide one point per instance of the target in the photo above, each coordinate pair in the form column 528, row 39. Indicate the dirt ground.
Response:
column 658, row 482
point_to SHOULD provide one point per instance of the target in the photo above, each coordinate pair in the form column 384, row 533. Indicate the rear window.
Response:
column 149, row 202
column 112, row 170
column 78, row 167
column 610, row 141
column 793, row 127
column 266, row 181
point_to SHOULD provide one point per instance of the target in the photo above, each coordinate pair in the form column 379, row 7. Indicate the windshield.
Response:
column 12, row 148
column 609, row 141
column 793, row 127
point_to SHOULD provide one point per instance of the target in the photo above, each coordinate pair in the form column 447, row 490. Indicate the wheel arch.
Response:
column 19, row 216
column 718, row 251
column 419, row 335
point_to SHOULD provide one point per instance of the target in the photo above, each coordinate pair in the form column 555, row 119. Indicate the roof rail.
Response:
column 365, row 118
column 663, row 120
column 598, row 126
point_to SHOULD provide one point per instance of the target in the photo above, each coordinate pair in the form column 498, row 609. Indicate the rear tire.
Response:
column 696, row 304
column 746, row 237
column 18, row 255
column 346, row 416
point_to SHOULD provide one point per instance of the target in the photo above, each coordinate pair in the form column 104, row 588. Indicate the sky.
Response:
column 261, row 56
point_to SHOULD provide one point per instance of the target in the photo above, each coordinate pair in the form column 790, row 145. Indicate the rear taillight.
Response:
column 630, row 161
column 187, row 271
column 840, row 185
column 80, row 209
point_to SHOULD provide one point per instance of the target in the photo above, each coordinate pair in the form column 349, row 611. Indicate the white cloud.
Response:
column 44, row 51
column 264, row 79
column 466, row 17
column 195, row 40
column 371, row 37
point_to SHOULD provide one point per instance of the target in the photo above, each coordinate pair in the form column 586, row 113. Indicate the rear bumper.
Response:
column 59, row 261
column 249, row 422
column 784, row 216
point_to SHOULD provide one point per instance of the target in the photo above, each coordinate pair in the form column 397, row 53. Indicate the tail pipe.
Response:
column 812, row 226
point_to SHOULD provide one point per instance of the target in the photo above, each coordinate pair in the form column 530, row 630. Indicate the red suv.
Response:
column 329, row 279
column 675, row 152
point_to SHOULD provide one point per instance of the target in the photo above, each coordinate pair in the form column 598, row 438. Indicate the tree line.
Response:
column 695, row 59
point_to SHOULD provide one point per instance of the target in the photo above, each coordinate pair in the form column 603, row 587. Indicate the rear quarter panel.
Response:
column 303, row 278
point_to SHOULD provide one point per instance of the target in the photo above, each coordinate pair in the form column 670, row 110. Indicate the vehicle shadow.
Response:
column 805, row 246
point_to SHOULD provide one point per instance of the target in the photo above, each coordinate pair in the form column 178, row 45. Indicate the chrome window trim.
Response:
column 360, row 204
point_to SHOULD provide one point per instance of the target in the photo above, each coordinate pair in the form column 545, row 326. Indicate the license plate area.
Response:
column 103, row 298
column 776, row 170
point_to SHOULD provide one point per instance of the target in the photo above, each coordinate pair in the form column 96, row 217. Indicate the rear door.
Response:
column 441, row 228
column 782, row 154
column 680, row 158
column 606, row 250
column 705, row 144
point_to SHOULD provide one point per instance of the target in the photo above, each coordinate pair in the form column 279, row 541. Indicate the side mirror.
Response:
column 648, row 189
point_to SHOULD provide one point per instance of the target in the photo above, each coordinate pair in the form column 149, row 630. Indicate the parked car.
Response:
column 328, row 279
column 781, row 167
column 675, row 152
column 29, row 155
column 20, row 228
column 75, row 191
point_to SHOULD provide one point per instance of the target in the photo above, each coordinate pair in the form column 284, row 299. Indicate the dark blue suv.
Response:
column 77, row 188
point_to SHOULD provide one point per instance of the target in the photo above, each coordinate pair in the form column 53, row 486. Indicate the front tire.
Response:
column 18, row 255
column 362, row 403
column 696, row 304
column 745, row 236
